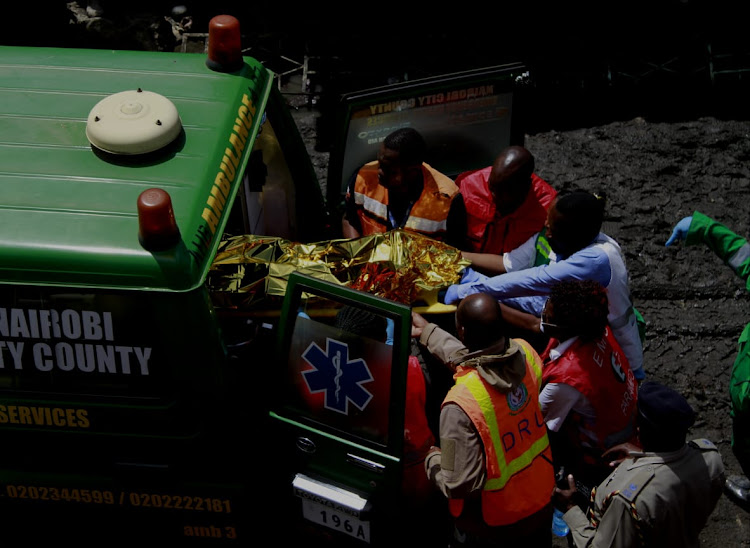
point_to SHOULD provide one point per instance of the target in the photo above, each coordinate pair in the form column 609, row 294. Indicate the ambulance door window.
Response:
column 268, row 190
column 339, row 377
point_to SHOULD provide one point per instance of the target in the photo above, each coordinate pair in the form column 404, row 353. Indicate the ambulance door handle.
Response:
column 365, row 463
column 306, row 445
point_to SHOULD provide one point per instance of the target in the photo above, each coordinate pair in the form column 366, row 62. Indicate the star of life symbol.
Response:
column 339, row 378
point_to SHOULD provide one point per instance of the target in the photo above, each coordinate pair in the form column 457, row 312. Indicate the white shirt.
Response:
column 557, row 400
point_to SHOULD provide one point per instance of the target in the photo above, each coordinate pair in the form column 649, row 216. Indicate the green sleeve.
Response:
column 732, row 249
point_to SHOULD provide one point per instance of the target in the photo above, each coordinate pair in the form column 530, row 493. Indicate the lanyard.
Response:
column 392, row 219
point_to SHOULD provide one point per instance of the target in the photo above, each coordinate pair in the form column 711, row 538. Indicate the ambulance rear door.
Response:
column 338, row 412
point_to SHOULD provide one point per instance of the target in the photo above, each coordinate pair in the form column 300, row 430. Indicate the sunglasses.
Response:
column 547, row 325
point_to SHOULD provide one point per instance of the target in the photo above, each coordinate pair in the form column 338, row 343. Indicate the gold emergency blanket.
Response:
column 398, row 265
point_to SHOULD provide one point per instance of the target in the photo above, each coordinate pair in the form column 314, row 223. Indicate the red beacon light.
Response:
column 224, row 44
column 157, row 228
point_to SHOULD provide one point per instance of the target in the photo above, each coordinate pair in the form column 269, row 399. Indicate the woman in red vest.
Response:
column 588, row 395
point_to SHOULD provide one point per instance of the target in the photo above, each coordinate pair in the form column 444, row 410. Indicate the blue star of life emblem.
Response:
column 338, row 377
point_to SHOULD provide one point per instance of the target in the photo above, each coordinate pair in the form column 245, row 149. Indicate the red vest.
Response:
column 490, row 233
column 428, row 215
column 418, row 437
column 599, row 370
column 517, row 454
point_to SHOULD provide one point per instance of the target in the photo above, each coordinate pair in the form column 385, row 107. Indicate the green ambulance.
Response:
column 136, row 404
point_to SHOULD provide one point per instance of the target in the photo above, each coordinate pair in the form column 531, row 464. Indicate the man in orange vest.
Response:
column 400, row 190
column 494, row 463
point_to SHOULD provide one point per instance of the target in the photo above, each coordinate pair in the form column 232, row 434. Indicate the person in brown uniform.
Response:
column 660, row 494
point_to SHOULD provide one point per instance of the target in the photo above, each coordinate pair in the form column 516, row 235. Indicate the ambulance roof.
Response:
column 68, row 212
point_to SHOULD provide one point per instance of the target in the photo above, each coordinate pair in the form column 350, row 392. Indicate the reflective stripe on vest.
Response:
column 542, row 250
column 428, row 215
column 373, row 206
column 426, row 226
column 506, row 469
column 380, row 210
column 533, row 359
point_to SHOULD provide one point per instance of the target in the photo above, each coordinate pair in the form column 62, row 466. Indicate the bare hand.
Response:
column 620, row 452
column 418, row 323
column 563, row 498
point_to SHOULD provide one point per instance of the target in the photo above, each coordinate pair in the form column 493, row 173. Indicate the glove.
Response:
column 680, row 231
column 470, row 275
column 451, row 295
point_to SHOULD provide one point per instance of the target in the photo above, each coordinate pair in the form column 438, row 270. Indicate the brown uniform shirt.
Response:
column 673, row 495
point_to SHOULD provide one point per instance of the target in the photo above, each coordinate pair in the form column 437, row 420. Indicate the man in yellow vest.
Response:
column 400, row 190
column 494, row 462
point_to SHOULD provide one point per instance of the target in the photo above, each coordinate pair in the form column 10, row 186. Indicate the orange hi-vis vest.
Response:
column 428, row 215
column 520, row 475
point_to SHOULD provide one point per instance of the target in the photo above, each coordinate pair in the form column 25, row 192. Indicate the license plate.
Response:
column 336, row 520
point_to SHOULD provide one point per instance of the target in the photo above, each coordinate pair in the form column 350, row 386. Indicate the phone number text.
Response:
column 121, row 498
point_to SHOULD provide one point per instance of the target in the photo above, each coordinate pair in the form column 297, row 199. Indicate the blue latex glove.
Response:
column 470, row 275
column 451, row 295
column 680, row 231
column 389, row 331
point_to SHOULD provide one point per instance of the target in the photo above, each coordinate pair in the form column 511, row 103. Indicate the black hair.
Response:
column 580, row 306
column 361, row 322
column 583, row 212
column 409, row 144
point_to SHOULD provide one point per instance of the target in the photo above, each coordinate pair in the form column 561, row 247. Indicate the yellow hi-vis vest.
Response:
column 428, row 215
column 520, row 475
